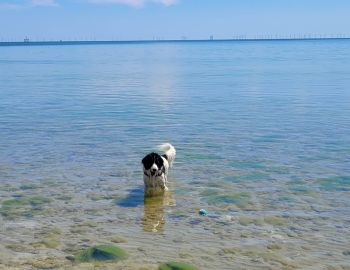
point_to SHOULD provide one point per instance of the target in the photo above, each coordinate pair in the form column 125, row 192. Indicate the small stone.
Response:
column 70, row 257
column 203, row 212
column 176, row 266
column 118, row 239
column 273, row 246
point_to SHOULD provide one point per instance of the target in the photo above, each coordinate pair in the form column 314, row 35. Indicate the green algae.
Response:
column 176, row 266
column 38, row 200
column 23, row 206
column 214, row 197
column 13, row 203
column 101, row 253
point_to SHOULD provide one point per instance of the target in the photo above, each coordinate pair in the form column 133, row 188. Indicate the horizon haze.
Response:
column 169, row 19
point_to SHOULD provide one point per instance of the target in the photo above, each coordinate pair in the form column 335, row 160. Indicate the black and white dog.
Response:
column 155, row 170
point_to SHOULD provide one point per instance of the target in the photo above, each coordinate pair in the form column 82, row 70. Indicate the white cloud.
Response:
column 135, row 3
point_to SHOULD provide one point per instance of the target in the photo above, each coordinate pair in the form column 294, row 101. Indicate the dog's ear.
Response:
column 147, row 162
column 159, row 161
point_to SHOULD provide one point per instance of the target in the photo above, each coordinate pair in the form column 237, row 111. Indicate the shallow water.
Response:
column 262, row 132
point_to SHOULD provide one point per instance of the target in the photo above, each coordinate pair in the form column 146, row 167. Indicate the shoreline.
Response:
column 122, row 42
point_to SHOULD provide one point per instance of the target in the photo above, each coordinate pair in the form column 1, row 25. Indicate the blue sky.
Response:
column 169, row 19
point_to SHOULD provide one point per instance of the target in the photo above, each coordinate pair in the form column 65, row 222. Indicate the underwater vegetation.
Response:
column 23, row 206
column 101, row 253
column 214, row 197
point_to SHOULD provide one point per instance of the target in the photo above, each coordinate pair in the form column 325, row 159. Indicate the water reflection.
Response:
column 153, row 216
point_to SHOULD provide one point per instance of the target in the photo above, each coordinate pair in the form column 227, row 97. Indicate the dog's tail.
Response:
column 169, row 152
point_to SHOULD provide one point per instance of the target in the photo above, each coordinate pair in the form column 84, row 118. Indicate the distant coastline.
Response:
column 27, row 42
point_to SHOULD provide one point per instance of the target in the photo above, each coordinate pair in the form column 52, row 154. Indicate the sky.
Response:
column 170, row 19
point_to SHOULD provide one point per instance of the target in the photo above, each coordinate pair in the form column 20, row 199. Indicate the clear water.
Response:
column 262, row 132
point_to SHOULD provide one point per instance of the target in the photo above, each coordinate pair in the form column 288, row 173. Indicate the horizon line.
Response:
column 27, row 42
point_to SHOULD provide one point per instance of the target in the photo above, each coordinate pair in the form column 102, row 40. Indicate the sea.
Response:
column 262, row 134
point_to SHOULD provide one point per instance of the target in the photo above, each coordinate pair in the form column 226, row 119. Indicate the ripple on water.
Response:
column 267, row 157
column 341, row 183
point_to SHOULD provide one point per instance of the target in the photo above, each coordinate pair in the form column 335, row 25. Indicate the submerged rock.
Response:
column 176, row 266
column 23, row 206
column 101, row 253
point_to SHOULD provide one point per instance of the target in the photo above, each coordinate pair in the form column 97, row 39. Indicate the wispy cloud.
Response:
column 10, row 6
column 19, row 4
column 51, row 3
column 135, row 3
column 27, row 4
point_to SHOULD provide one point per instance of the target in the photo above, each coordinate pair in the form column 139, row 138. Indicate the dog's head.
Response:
column 152, row 164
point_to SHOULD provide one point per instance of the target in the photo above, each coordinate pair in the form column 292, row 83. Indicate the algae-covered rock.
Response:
column 176, row 266
column 101, row 253
column 23, row 206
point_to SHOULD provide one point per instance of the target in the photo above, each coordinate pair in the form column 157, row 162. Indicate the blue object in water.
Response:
column 203, row 212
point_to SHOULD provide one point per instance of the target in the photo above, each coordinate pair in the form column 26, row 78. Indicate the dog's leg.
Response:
column 164, row 182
